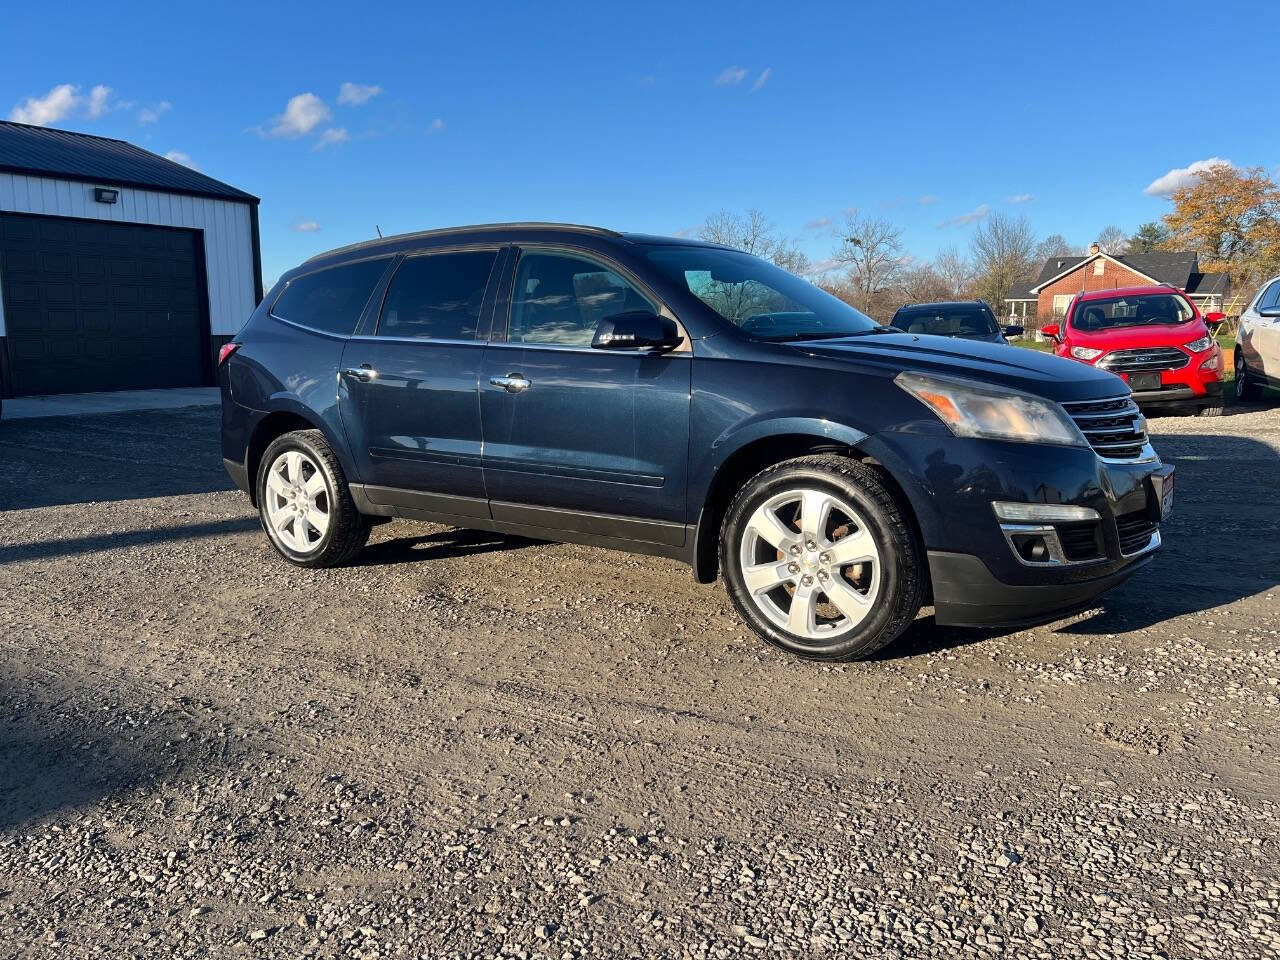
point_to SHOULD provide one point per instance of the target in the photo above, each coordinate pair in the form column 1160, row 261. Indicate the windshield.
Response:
column 759, row 298
column 1131, row 311
column 947, row 320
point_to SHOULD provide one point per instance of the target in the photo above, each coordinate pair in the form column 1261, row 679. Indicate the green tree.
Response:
column 1149, row 237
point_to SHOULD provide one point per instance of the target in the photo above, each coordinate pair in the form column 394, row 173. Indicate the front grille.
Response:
column 1136, row 530
column 1146, row 360
column 1080, row 540
column 1114, row 428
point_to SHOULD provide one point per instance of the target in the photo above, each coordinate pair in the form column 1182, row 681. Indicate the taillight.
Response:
column 227, row 350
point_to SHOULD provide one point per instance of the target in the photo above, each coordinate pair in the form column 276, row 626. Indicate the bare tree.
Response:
column 1054, row 245
column 1113, row 240
column 753, row 233
column 871, row 250
column 1003, row 248
column 922, row 284
column 955, row 271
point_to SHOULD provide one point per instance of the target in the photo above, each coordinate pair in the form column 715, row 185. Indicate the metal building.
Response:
column 119, row 269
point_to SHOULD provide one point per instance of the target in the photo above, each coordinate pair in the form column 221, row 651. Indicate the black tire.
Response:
column 904, row 576
column 1246, row 388
column 348, row 528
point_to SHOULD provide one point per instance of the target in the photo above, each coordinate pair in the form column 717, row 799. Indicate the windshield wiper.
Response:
column 826, row 335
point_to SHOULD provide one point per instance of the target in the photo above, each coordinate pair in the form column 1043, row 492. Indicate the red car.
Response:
column 1152, row 337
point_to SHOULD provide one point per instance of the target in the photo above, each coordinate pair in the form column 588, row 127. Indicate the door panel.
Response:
column 598, row 431
column 409, row 402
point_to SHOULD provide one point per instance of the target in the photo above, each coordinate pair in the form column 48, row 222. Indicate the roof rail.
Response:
column 471, row 228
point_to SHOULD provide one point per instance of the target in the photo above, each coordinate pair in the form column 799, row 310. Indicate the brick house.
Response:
column 1062, row 277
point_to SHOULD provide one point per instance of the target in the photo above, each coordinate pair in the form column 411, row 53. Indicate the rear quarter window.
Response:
column 330, row 300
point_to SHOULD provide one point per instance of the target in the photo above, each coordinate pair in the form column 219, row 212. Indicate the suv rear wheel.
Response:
column 820, row 558
column 304, row 504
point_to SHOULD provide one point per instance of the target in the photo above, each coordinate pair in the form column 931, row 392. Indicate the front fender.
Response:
column 722, row 449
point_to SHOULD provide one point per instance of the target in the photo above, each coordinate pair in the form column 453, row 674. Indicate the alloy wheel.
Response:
column 810, row 563
column 297, row 501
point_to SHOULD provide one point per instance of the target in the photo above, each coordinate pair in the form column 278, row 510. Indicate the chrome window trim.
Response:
column 565, row 348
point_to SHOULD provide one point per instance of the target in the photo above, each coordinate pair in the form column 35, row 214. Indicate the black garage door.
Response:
column 100, row 306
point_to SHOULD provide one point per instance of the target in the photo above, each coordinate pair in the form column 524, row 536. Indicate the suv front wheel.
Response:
column 820, row 558
column 304, row 504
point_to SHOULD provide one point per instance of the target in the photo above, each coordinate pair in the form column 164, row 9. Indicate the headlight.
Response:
column 1085, row 353
column 1195, row 346
column 972, row 409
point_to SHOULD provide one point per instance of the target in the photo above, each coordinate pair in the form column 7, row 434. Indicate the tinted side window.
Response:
column 437, row 297
column 1270, row 297
column 560, row 299
column 330, row 300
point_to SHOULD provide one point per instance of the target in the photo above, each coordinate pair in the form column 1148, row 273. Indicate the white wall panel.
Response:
column 228, row 238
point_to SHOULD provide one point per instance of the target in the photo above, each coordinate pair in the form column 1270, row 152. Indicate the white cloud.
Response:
column 152, row 114
column 821, row 267
column 332, row 135
column 305, row 226
column 354, row 94
column 761, row 80
column 98, row 102
column 177, row 156
column 50, row 108
column 977, row 213
column 437, row 125
column 1180, row 177
column 928, row 200
column 1020, row 198
column 731, row 76
column 686, row 231
column 302, row 114
column 819, row 223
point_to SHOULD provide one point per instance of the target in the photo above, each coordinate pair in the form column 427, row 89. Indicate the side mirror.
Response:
column 1014, row 330
column 637, row 330
column 1051, row 330
column 1214, row 319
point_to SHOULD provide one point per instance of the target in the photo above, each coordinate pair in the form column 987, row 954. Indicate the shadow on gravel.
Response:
column 121, row 456
column 924, row 636
column 1222, row 543
column 50, row 549
column 50, row 761
column 438, row 546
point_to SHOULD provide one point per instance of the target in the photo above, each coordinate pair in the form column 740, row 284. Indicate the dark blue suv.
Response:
column 687, row 400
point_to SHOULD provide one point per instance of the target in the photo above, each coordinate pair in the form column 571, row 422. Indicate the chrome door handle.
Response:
column 363, row 373
column 514, row 383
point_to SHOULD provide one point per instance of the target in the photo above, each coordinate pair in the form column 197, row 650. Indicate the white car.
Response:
column 1258, row 343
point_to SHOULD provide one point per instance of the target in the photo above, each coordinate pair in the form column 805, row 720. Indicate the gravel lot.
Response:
column 471, row 745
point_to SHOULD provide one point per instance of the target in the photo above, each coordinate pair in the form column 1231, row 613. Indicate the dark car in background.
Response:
column 966, row 319
column 687, row 400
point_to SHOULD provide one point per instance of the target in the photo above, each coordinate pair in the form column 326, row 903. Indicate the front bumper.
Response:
column 1182, row 394
column 967, row 594
column 978, row 578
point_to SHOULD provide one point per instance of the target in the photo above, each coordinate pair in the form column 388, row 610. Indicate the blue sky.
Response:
column 651, row 116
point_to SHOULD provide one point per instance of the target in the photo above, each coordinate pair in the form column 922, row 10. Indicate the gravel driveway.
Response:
column 474, row 745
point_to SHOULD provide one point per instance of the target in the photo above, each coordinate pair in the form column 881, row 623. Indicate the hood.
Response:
column 1028, row 371
column 1155, row 335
